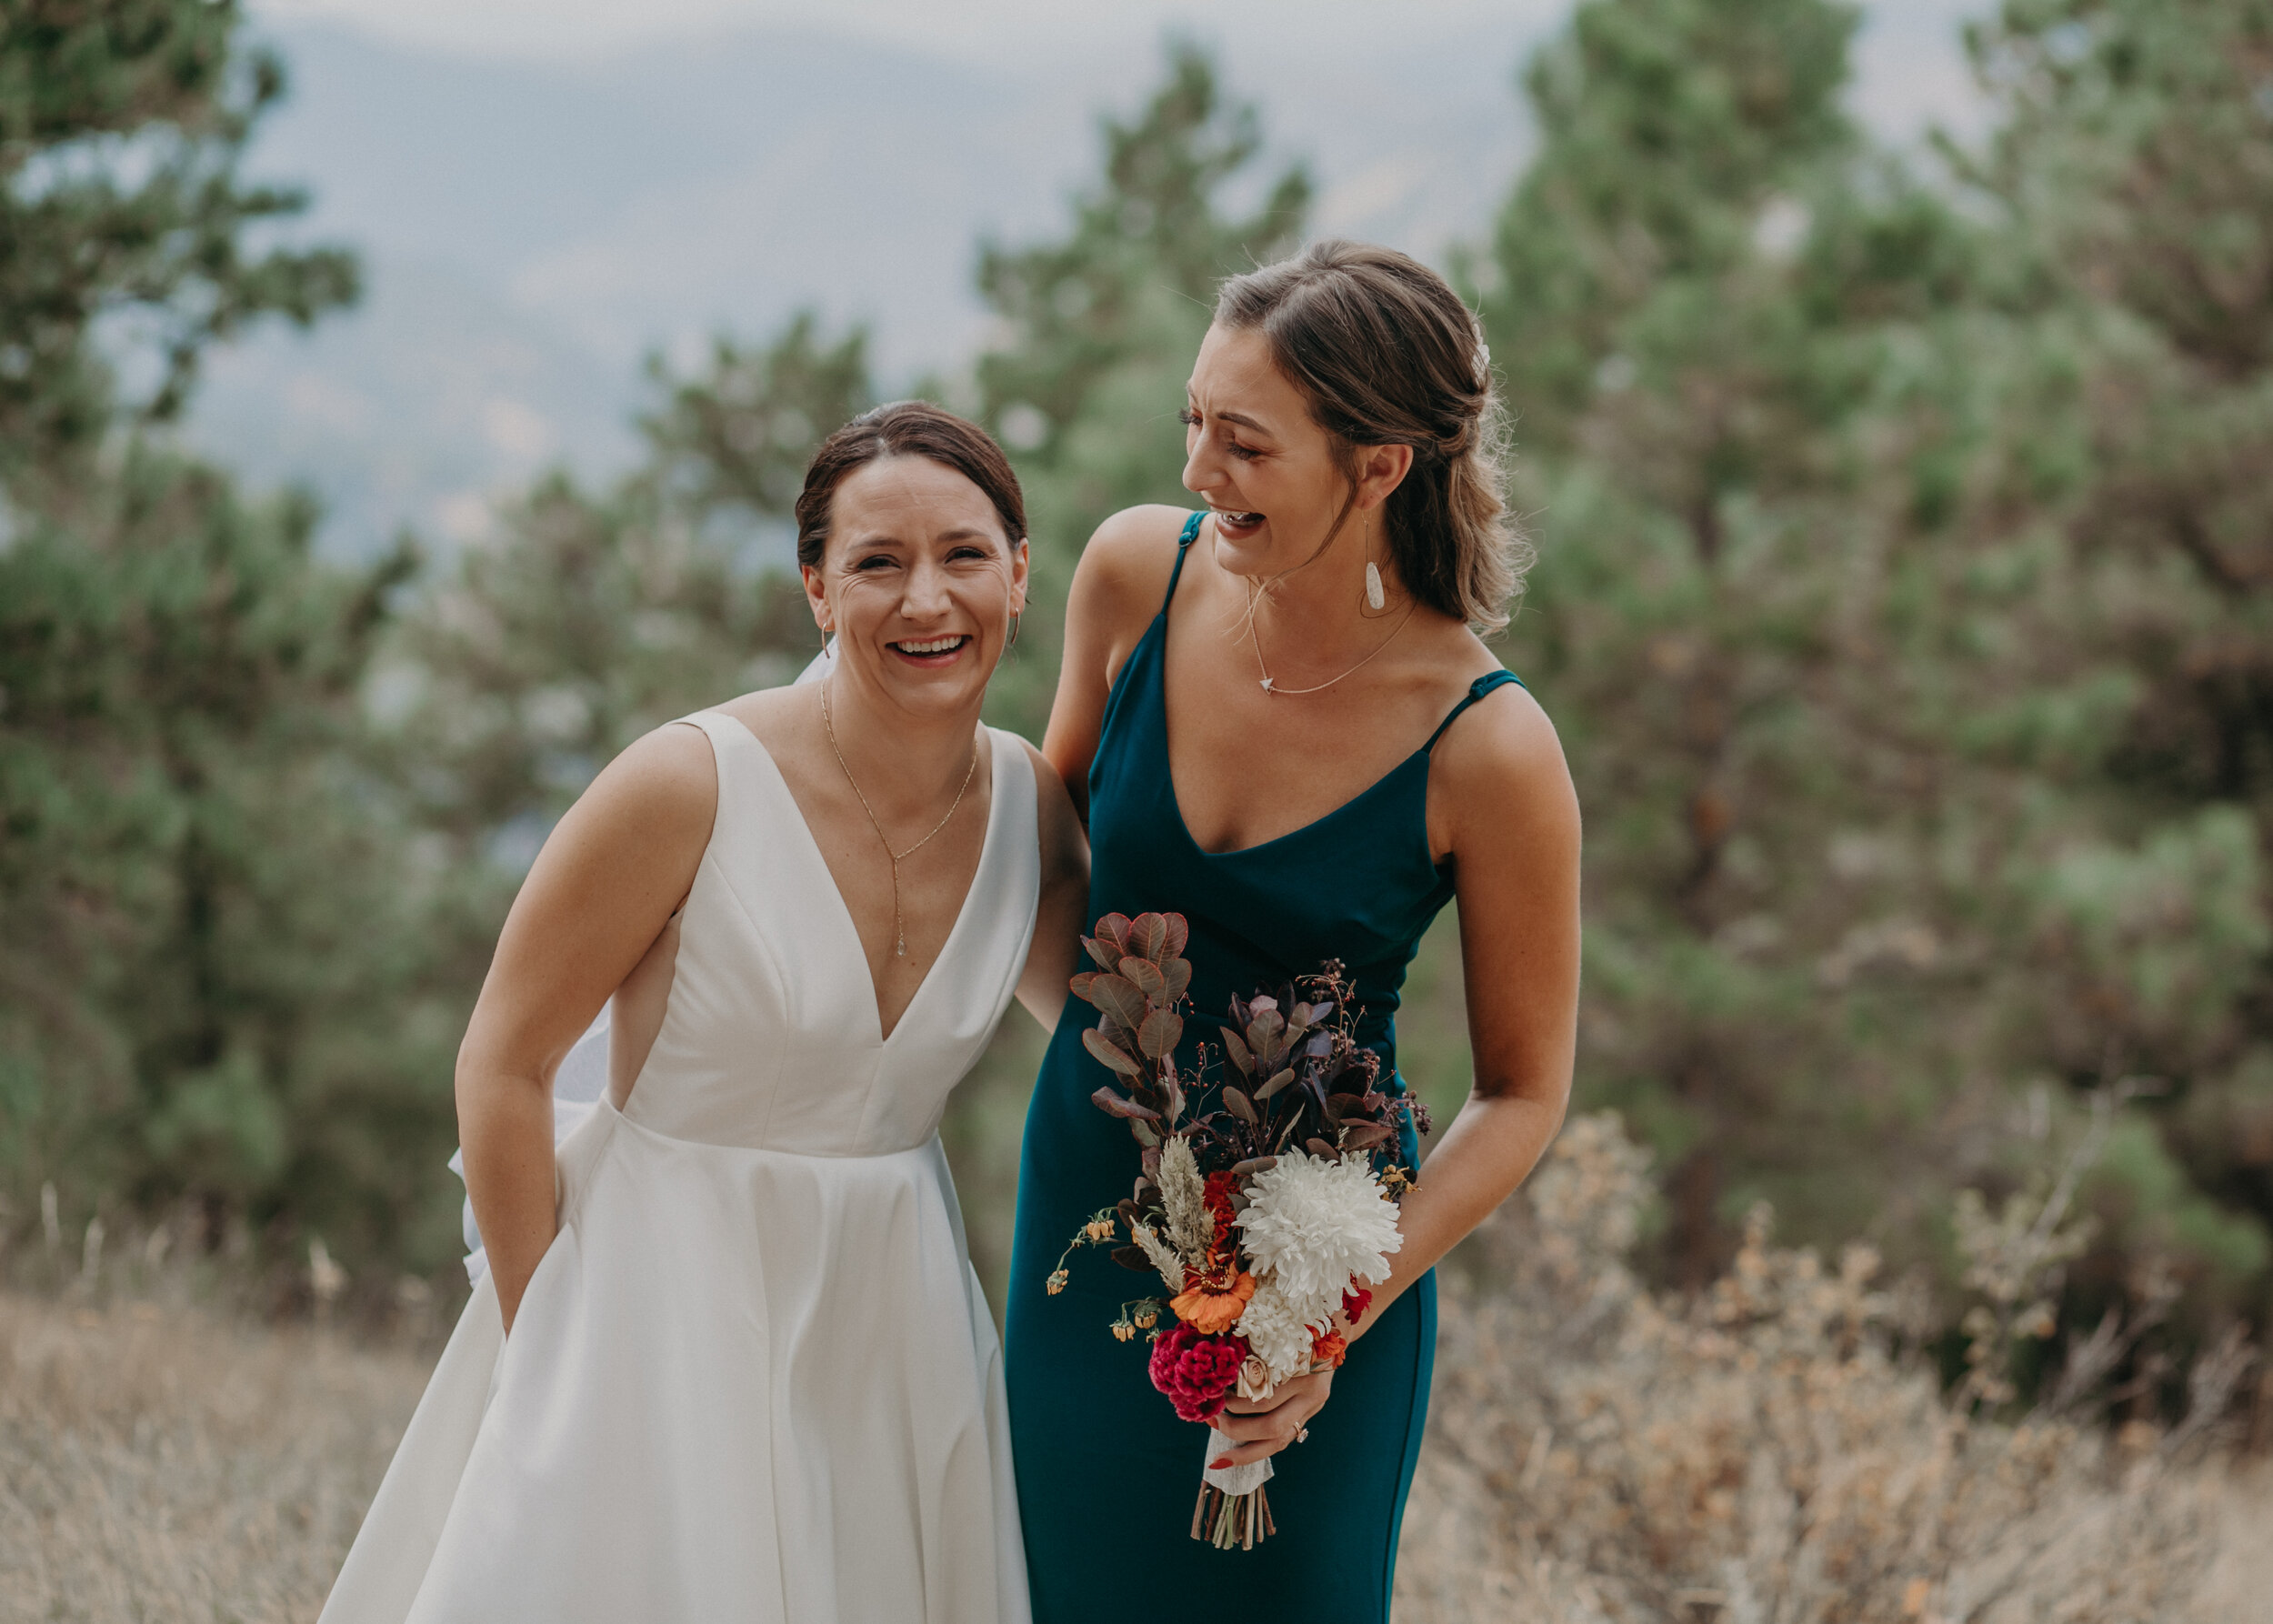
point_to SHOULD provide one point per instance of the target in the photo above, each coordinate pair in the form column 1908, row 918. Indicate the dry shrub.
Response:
column 1758, row 1456
column 163, row 1463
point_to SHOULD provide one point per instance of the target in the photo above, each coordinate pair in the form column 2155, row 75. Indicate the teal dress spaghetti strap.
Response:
column 1107, row 1474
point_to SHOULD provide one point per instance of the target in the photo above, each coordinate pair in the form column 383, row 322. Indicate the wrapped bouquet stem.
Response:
column 1233, row 1510
column 1266, row 1196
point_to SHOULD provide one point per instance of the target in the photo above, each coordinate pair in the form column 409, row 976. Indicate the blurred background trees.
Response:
column 1903, row 603
column 212, row 989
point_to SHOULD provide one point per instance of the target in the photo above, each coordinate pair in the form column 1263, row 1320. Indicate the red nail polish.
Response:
column 1217, row 1465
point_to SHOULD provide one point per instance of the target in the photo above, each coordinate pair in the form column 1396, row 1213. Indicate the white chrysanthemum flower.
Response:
column 1273, row 1324
column 1184, row 1193
column 1163, row 1256
column 1313, row 1225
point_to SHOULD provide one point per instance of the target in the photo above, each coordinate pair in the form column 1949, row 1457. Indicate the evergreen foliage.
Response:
column 210, row 985
column 1893, row 608
column 1903, row 604
column 1101, row 325
column 121, row 128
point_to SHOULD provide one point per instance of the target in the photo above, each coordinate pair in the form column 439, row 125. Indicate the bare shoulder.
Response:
column 1501, row 763
column 1123, row 571
column 665, row 783
column 772, row 714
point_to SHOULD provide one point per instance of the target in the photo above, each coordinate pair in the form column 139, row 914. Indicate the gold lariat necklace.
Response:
column 899, row 927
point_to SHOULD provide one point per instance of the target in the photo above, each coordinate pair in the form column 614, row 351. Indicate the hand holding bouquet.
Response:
column 1263, row 1211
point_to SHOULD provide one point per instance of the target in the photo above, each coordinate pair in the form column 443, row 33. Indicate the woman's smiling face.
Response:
column 917, row 582
column 1257, row 457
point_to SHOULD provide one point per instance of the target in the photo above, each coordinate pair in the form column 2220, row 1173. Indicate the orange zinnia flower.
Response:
column 1213, row 1312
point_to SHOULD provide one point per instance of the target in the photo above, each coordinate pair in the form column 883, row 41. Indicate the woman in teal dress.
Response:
column 1283, row 725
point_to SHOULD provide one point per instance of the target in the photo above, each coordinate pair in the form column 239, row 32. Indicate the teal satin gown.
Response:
column 1106, row 1473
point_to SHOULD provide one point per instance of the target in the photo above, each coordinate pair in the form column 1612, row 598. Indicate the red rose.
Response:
column 1196, row 1371
column 1355, row 1302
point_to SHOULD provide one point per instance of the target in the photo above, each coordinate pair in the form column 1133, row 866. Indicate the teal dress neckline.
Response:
column 1104, row 1466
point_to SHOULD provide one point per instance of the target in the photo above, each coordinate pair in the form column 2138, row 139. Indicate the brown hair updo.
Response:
column 906, row 428
column 1387, row 355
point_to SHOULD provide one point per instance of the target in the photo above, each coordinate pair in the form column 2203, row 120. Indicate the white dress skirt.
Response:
column 755, row 1377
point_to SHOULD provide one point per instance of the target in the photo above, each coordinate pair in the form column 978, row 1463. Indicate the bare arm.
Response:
column 609, row 878
column 1514, row 820
column 1059, row 922
column 1116, row 589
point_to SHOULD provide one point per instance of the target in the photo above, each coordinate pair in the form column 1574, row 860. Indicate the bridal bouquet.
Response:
column 1266, row 1211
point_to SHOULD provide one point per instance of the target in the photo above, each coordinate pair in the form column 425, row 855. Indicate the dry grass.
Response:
column 167, row 1464
column 1760, row 1457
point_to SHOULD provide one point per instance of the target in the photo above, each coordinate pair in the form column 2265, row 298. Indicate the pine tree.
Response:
column 209, row 987
column 1849, row 682
column 122, row 126
column 1102, row 326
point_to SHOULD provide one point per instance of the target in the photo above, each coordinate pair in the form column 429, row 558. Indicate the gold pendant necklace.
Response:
column 899, row 927
column 1270, row 685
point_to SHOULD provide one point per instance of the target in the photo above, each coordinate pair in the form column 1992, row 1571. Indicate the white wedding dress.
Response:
column 753, row 1378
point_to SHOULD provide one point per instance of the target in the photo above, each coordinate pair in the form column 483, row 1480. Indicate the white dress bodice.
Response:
column 770, row 1038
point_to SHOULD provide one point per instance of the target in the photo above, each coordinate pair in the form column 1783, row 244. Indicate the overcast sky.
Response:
column 1908, row 69
column 978, row 28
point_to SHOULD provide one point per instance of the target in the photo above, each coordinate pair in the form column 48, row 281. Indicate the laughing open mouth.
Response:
column 929, row 647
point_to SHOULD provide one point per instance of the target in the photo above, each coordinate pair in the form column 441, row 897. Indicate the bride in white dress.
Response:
column 728, row 1360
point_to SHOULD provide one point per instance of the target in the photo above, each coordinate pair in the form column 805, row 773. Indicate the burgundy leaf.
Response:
column 1158, row 1035
column 1241, row 1106
column 1113, row 931
column 1093, row 1042
column 1115, row 1104
column 1179, row 934
column 1132, row 1258
column 1236, row 1051
column 1177, row 973
column 1148, row 936
column 1146, row 978
column 1119, row 997
column 1262, row 1037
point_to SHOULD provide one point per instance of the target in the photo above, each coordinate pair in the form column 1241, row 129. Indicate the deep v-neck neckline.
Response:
column 844, row 909
column 1159, row 631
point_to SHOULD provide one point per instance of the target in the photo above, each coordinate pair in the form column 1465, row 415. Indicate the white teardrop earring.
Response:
column 1375, row 599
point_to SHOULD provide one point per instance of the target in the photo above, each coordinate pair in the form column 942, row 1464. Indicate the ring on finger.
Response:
column 1302, row 1435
